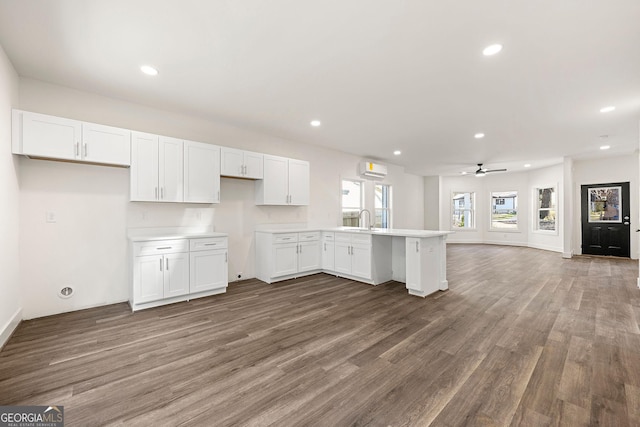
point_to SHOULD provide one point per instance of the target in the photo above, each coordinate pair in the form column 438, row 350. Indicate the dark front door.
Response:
column 605, row 219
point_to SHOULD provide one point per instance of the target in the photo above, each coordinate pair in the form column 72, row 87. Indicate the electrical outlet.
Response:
column 51, row 216
column 239, row 275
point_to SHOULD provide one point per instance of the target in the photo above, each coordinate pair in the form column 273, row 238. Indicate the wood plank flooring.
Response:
column 523, row 338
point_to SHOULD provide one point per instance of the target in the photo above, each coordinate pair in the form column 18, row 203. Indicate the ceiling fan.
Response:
column 483, row 171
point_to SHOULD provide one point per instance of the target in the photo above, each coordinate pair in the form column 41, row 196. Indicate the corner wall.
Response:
column 11, row 301
column 86, row 247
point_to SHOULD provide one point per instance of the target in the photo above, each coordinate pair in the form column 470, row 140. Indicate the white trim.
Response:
column 545, row 247
column 567, row 255
column 10, row 327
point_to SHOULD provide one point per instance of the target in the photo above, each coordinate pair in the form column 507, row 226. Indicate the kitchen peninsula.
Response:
column 414, row 257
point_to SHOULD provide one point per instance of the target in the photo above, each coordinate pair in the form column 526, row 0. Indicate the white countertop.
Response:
column 174, row 236
column 376, row 231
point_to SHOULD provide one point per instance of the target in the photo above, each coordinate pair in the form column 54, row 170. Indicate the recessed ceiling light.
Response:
column 315, row 123
column 492, row 50
column 608, row 109
column 478, row 135
column 464, row 173
column 397, row 153
column 149, row 70
column 527, row 165
column 605, row 147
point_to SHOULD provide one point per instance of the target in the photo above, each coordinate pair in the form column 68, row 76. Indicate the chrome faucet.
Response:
column 360, row 217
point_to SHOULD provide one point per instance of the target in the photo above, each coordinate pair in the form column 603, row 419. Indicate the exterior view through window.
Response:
column 504, row 210
column 546, row 209
column 352, row 202
column 463, row 210
column 383, row 206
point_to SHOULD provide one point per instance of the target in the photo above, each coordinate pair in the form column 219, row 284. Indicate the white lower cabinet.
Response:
column 208, row 261
column 168, row 271
column 281, row 256
column 423, row 266
column 353, row 254
column 328, row 251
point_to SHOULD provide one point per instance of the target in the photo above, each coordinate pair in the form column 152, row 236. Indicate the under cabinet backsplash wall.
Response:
column 86, row 247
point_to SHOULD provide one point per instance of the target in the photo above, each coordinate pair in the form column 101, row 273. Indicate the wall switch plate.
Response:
column 51, row 216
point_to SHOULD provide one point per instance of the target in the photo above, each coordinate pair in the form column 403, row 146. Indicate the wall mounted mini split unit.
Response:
column 373, row 169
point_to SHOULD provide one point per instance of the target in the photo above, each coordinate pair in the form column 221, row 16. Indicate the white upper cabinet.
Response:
column 156, row 168
column 240, row 164
column 201, row 172
column 40, row 135
column 171, row 169
column 285, row 182
column 106, row 144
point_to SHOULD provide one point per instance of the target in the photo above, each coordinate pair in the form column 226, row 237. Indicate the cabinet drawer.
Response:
column 285, row 238
column 361, row 238
column 207, row 243
column 343, row 237
column 308, row 236
column 160, row 247
column 328, row 237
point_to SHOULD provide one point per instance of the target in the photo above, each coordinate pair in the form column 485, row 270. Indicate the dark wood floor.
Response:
column 523, row 337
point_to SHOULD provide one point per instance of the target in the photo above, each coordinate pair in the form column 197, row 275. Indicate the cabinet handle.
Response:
column 417, row 248
column 86, row 151
column 160, row 264
column 286, row 238
column 226, row 257
column 77, row 149
column 167, row 262
column 210, row 244
column 164, row 247
column 156, row 193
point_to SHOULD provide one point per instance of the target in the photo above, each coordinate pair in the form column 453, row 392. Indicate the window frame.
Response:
column 472, row 210
column 516, row 208
column 388, row 209
column 362, row 199
column 535, row 222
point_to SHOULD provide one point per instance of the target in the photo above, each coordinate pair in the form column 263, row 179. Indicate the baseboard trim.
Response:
column 9, row 328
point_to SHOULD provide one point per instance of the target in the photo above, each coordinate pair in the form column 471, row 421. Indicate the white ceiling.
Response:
column 381, row 75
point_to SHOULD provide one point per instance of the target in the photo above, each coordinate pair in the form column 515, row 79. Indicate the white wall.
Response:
column 602, row 171
column 11, row 301
column 86, row 248
column 525, row 184
column 543, row 178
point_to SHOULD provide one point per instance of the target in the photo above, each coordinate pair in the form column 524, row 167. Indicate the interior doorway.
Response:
column 605, row 219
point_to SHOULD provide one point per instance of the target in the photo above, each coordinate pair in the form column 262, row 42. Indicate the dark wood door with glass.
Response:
column 605, row 219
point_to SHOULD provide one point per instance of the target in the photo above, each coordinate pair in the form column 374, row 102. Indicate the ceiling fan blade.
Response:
column 496, row 170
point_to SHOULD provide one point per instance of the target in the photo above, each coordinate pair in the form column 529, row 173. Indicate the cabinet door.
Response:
column 413, row 263
column 106, row 144
column 144, row 167
column 298, row 182
column 170, row 170
column 275, row 184
column 148, row 274
column 209, row 270
column 361, row 261
column 309, row 256
column 201, row 172
column 231, row 162
column 285, row 259
column 342, row 257
column 176, row 274
column 328, row 256
column 47, row 136
column 253, row 165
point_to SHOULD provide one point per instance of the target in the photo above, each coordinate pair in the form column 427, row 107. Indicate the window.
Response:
column 352, row 202
column 463, row 210
column 383, row 206
column 546, row 205
column 504, row 210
